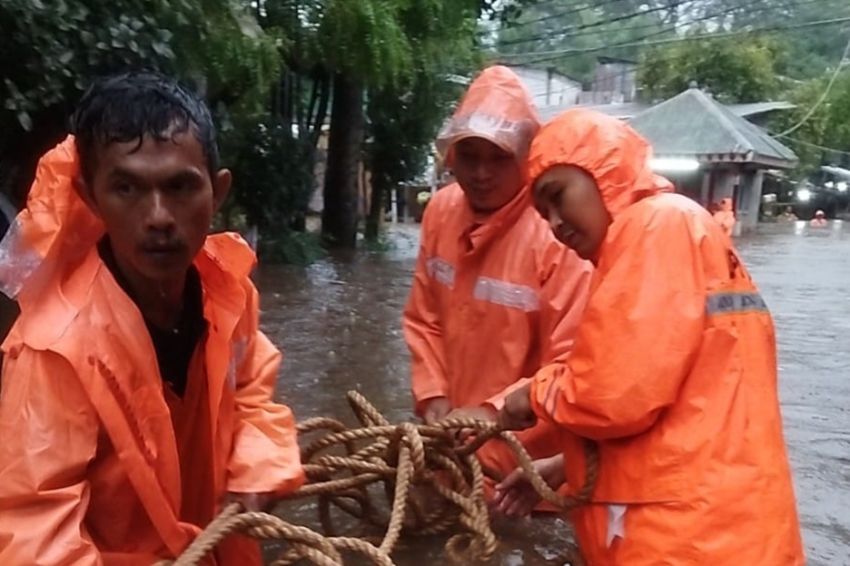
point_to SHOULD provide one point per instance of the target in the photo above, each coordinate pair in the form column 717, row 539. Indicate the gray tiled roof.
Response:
column 695, row 124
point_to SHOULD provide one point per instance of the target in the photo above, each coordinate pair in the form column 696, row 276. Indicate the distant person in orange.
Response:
column 819, row 221
column 673, row 371
column 495, row 295
column 725, row 216
column 137, row 389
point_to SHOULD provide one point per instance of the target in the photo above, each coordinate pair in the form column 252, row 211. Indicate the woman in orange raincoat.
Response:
column 673, row 372
column 137, row 388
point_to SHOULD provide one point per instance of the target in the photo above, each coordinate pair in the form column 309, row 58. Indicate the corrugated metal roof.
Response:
column 694, row 124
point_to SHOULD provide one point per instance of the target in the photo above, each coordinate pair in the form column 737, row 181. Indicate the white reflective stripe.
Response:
column 616, row 524
column 441, row 270
column 506, row 294
column 550, row 396
column 734, row 303
column 238, row 350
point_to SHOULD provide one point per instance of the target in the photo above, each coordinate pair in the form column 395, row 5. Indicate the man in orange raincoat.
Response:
column 137, row 392
column 494, row 294
column 673, row 372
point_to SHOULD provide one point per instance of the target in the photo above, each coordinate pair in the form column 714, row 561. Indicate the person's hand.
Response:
column 517, row 413
column 252, row 501
column 485, row 413
column 436, row 409
column 515, row 497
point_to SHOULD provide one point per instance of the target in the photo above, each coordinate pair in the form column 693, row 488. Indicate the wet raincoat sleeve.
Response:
column 265, row 457
column 49, row 435
column 639, row 335
column 422, row 329
column 563, row 298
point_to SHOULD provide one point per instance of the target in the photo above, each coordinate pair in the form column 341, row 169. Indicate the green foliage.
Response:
column 828, row 126
column 272, row 173
column 297, row 248
column 403, row 126
column 732, row 69
column 50, row 51
column 381, row 43
column 263, row 66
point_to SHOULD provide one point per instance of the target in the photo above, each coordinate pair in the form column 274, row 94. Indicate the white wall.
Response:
column 548, row 89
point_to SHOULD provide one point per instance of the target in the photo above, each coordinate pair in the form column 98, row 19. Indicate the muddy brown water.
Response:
column 338, row 322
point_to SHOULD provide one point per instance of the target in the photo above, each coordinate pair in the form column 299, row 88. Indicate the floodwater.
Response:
column 338, row 322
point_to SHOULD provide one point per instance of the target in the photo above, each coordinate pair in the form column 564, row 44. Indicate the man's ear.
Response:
column 221, row 184
column 85, row 191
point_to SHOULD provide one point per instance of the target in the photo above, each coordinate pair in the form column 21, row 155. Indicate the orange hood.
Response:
column 498, row 108
column 612, row 152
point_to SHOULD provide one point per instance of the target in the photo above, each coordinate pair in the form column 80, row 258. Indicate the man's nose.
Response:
column 159, row 216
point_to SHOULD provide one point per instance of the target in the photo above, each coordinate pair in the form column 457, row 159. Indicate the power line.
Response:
column 814, row 145
column 560, row 15
column 604, row 22
column 565, row 34
column 823, row 96
column 561, row 53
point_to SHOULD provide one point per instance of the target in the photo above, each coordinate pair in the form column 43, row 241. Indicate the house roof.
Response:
column 693, row 124
column 628, row 110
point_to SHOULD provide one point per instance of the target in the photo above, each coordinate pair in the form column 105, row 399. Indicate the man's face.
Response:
column 157, row 202
column 489, row 176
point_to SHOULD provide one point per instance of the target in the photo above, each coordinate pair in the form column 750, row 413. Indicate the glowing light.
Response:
column 804, row 195
column 674, row 164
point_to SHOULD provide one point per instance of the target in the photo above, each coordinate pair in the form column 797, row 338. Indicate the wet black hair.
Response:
column 126, row 107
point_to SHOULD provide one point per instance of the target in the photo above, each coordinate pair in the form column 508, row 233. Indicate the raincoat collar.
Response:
column 481, row 232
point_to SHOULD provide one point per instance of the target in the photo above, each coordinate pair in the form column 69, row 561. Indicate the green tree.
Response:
column 733, row 69
column 375, row 45
column 49, row 52
column 827, row 127
column 403, row 127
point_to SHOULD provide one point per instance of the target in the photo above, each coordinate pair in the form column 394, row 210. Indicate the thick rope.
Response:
column 432, row 485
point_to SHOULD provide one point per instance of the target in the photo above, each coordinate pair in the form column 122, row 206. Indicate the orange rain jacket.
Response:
column 673, row 373
column 98, row 463
column 492, row 298
column 725, row 216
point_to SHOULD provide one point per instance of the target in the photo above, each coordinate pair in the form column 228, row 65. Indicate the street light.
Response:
column 673, row 164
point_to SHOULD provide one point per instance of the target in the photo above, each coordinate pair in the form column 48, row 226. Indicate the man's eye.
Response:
column 123, row 188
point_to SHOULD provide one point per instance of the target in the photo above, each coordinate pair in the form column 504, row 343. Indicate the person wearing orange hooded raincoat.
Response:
column 673, row 373
column 725, row 216
column 101, row 461
column 494, row 295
